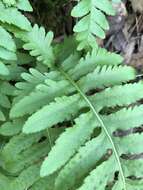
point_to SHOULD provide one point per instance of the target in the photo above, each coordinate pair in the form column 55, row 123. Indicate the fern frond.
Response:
column 12, row 16
column 7, row 55
column 92, row 80
column 14, row 73
column 31, row 154
column 24, row 5
column 31, row 80
column 11, row 149
column 27, row 178
column 37, row 99
column 113, row 97
column 4, row 182
column 94, row 94
column 133, row 167
column 4, row 101
column 12, row 128
column 106, row 170
column 93, row 21
column 26, row 158
column 2, row 117
column 39, row 44
column 90, row 62
column 80, row 165
column 9, row 2
column 7, row 88
column 6, row 41
column 131, row 184
column 3, row 69
column 134, row 139
column 66, row 108
column 46, row 183
column 76, row 135
column 61, row 113
column 20, row 4
column 106, row 76
column 127, row 119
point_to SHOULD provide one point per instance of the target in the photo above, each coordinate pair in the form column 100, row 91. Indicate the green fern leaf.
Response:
column 13, row 148
column 79, row 165
column 28, row 157
column 9, row 2
column 86, row 83
column 24, row 5
column 39, row 44
column 106, row 170
column 11, row 128
column 93, row 21
column 71, row 135
column 7, row 55
column 3, row 69
column 4, row 182
column 90, row 62
column 12, row 16
column 37, row 99
column 27, row 178
column 112, row 97
column 39, row 120
column 7, row 88
column 44, row 183
column 132, row 167
column 4, row 101
column 106, row 76
column 76, row 130
column 20, row 4
column 6, row 41
column 127, row 118
column 2, row 117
